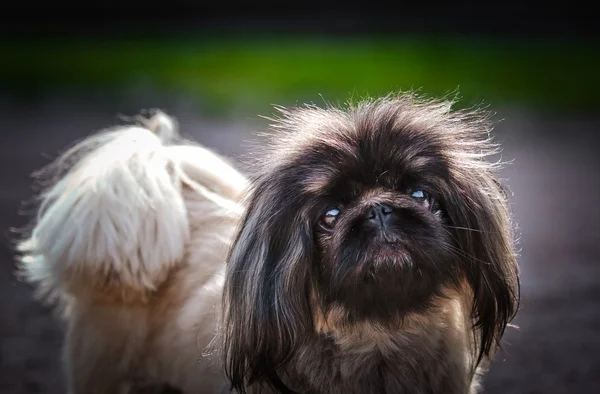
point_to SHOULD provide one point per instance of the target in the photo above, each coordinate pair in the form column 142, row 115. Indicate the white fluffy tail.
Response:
column 114, row 222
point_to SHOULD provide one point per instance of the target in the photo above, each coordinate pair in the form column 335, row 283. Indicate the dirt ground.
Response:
column 554, row 178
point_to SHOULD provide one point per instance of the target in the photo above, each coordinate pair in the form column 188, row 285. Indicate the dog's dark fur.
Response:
column 415, row 305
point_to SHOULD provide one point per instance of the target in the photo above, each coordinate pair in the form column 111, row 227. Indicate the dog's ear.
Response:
column 481, row 224
column 266, row 300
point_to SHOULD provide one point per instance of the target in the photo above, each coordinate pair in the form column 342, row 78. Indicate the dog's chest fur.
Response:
column 429, row 355
column 417, row 368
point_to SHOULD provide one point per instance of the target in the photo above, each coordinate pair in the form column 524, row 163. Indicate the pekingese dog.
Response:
column 370, row 251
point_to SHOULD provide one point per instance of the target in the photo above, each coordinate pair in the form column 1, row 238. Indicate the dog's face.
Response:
column 381, row 245
column 373, row 211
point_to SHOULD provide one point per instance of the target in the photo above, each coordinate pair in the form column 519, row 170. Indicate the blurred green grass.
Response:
column 250, row 74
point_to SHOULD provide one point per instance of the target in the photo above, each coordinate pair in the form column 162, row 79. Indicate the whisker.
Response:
column 462, row 253
column 471, row 229
column 380, row 175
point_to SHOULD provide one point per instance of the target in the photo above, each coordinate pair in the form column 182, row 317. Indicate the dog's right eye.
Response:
column 329, row 218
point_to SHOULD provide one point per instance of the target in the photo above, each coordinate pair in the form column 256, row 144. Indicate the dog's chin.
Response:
column 386, row 257
column 387, row 282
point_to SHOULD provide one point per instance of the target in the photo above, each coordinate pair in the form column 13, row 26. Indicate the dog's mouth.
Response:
column 385, row 256
column 383, row 280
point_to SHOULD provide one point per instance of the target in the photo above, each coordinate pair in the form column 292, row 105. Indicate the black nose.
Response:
column 379, row 214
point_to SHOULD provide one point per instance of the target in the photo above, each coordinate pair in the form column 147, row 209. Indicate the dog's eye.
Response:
column 418, row 194
column 329, row 218
column 422, row 197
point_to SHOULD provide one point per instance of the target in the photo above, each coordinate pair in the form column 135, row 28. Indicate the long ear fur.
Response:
column 481, row 225
column 113, row 221
column 266, row 296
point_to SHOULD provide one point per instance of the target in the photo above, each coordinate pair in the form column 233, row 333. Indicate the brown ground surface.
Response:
column 556, row 188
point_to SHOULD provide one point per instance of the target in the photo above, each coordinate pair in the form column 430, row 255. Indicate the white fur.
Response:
column 118, row 213
column 131, row 237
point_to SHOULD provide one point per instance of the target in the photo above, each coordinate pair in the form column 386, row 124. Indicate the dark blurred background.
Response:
column 66, row 72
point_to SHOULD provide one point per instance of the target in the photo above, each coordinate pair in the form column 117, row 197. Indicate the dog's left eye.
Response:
column 418, row 194
column 422, row 196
